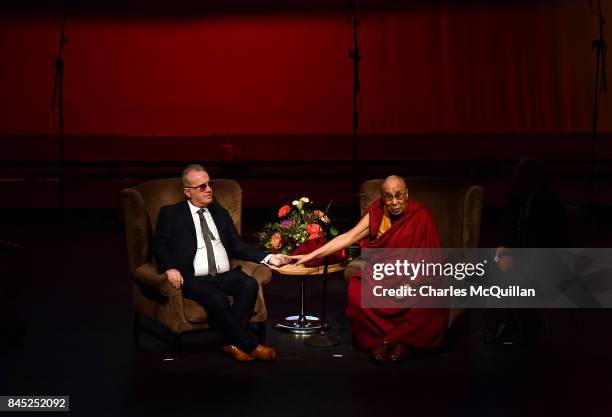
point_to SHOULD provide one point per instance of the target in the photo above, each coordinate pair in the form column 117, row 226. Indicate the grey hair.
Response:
column 188, row 169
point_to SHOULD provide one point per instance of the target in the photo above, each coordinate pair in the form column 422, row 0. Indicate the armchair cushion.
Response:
column 260, row 272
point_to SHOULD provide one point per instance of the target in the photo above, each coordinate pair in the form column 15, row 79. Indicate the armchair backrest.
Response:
column 141, row 206
column 456, row 206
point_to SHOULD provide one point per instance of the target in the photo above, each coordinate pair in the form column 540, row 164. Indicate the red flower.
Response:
column 283, row 211
column 314, row 230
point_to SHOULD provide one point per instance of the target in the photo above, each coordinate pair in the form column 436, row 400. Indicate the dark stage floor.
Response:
column 70, row 290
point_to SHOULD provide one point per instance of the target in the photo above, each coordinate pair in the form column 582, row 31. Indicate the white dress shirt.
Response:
column 200, row 262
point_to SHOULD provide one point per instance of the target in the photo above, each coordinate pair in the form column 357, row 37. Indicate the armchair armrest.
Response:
column 260, row 272
column 147, row 274
column 352, row 268
column 175, row 318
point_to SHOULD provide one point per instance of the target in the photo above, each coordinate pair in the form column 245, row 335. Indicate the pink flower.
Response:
column 314, row 230
column 283, row 211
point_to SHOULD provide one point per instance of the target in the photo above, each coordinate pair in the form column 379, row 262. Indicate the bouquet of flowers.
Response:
column 297, row 223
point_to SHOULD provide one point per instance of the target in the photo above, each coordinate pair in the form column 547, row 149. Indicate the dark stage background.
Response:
column 263, row 93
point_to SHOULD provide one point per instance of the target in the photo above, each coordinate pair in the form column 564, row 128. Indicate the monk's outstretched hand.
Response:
column 301, row 259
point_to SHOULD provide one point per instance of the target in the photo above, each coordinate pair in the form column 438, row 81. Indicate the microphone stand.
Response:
column 600, row 47
column 58, row 97
column 355, row 56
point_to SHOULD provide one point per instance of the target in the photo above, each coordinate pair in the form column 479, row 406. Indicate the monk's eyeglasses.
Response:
column 399, row 196
column 202, row 187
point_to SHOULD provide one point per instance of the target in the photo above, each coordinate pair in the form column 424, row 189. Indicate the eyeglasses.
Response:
column 203, row 187
column 400, row 195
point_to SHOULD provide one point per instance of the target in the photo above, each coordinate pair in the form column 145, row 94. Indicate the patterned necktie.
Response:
column 208, row 237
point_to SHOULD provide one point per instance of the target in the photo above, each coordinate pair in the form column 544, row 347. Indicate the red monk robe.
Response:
column 420, row 327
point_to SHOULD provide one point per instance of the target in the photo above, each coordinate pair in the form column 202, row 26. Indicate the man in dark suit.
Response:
column 534, row 217
column 193, row 242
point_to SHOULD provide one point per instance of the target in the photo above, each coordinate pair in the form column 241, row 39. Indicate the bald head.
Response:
column 395, row 195
column 394, row 180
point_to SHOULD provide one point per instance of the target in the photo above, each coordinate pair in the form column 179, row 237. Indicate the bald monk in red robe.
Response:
column 390, row 222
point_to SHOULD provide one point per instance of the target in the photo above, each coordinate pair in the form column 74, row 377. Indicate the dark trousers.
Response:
column 522, row 324
column 230, row 320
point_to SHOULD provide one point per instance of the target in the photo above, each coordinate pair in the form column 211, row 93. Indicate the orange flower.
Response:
column 314, row 230
column 276, row 241
column 283, row 211
column 321, row 216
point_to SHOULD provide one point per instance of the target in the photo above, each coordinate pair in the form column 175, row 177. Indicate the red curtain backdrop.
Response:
column 515, row 67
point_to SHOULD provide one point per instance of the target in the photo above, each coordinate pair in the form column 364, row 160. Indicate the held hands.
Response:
column 301, row 259
column 504, row 262
column 279, row 259
column 175, row 277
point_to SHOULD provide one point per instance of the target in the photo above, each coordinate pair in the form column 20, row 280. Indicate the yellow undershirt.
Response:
column 385, row 224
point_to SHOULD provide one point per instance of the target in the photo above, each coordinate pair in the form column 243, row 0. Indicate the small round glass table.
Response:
column 303, row 323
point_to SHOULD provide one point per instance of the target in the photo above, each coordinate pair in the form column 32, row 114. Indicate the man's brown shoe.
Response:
column 398, row 353
column 239, row 355
column 380, row 353
column 264, row 353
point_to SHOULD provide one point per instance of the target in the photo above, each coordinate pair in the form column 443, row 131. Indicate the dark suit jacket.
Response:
column 175, row 243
